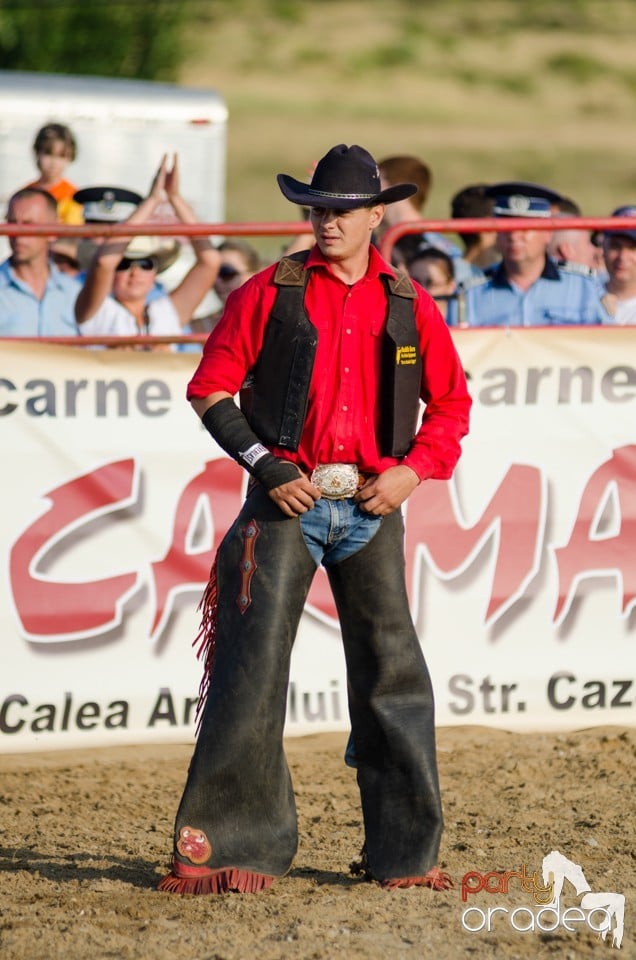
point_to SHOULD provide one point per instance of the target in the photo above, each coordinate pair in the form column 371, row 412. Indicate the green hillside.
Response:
column 494, row 90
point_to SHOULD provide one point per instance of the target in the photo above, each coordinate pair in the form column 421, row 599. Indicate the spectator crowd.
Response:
column 56, row 286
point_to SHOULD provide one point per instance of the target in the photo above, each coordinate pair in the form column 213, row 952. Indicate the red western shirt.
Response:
column 343, row 411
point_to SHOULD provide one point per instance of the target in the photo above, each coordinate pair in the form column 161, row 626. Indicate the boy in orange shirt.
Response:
column 55, row 147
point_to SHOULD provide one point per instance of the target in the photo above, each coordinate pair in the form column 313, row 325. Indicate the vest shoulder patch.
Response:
column 402, row 286
column 290, row 271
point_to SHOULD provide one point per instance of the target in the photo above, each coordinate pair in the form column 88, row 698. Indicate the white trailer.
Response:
column 122, row 129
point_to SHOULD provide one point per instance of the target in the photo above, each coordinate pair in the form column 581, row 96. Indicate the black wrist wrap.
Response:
column 228, row 426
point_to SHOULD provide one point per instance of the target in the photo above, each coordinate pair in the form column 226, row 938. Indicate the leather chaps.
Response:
column 238, row 810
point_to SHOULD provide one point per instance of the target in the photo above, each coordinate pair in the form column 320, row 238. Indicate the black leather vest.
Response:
column 276, row 392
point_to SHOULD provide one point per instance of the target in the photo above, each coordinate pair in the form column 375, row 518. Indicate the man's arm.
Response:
column 287, row 486
column 436, row 445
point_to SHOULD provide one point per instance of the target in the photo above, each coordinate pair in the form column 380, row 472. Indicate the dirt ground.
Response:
column 85, row 836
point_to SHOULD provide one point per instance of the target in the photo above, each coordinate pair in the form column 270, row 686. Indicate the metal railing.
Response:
column 156, row 229
column 286, row 229
column 500, row 225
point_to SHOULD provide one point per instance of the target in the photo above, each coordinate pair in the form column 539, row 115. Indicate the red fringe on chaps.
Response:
column 201, row 880
column 435, row 879
column 205, row 641
column 184, row 879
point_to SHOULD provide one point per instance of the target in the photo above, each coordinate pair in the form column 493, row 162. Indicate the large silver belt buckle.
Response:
column 336, row 481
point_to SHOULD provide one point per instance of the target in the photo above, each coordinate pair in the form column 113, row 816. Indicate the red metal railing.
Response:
column 156, row 229
column 285, row 229
column 500, row 225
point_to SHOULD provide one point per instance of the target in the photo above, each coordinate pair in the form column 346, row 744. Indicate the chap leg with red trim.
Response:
column 238, row 812
column 391, row 708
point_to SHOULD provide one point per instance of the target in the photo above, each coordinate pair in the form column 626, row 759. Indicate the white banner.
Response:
column 522, row 569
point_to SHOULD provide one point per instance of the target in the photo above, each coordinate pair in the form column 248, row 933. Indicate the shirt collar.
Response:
column 56, row 277
column 376, row 268
column 499, row 276
column 5, row 273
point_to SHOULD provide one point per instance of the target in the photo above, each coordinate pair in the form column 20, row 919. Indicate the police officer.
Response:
column 528, row 288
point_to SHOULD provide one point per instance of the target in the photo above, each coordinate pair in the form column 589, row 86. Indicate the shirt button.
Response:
column 345, row 407
column 348, row 330
column 341, row 446
column 346, row 369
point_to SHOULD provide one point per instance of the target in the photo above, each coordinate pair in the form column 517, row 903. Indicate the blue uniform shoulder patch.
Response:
column 471, row 282
column 576, row 269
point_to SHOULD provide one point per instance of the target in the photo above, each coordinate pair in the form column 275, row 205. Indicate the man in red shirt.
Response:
column 332, row 351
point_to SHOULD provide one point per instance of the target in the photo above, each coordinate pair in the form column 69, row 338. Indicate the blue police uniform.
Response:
column 565, row 294
column 561, row 296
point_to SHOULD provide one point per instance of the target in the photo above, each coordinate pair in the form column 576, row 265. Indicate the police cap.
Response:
column 107, row 204
column 523, row 188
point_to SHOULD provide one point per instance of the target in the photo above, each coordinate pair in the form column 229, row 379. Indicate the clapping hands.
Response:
column 166, row 179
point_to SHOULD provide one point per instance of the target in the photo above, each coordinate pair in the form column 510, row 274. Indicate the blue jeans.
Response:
column 333, row 531
column 336, row 529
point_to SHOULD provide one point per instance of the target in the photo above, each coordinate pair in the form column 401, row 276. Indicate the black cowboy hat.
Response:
column 345, row 178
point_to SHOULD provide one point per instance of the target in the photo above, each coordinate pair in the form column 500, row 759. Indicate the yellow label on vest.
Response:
column 405, row 356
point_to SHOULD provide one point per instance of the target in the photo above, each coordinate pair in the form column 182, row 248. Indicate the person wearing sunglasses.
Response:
column 239, row 261
column 115, row 301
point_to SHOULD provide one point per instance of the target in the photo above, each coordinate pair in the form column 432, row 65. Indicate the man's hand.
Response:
column 384, row 493
column 296, row 496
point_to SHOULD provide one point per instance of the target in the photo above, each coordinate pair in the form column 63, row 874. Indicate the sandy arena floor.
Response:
column 86, row 835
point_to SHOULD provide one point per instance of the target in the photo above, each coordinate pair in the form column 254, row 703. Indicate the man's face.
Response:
column 521, row 248
column 341, row 234
column 619, row 253
column 35, row 210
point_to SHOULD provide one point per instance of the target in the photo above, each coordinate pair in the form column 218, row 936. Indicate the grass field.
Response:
column 503, row 89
